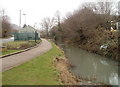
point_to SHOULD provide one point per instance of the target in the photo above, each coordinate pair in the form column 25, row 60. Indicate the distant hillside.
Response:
column 16, row 27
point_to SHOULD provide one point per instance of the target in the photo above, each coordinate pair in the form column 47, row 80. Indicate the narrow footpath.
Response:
column 17, row 59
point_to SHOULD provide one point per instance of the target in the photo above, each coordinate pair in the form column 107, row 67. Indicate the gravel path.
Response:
column 15, row 60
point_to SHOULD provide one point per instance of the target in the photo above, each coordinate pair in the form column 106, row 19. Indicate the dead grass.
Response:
column 15, row 45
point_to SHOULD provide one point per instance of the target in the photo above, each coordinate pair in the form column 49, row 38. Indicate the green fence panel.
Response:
column 26, row 36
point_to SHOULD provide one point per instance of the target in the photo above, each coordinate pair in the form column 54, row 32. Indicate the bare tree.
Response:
column 106, row 7
column 5, row 25
column 58, row 20
column 102, row 7
column 6, row 28
column 47, row 24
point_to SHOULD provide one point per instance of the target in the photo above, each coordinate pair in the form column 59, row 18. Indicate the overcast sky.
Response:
column 36, row 10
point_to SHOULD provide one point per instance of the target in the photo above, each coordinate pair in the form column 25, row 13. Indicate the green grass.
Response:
column 8, row 52
column 0, row 78
column 38, row 71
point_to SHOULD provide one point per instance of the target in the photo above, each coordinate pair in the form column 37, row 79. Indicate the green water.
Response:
column 91, row 66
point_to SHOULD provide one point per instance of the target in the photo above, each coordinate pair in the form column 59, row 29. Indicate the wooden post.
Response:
column 35, row 35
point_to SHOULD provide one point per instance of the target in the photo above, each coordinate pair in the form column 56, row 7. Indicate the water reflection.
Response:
column 113, row 79
column 104, row 62
column 89, row 65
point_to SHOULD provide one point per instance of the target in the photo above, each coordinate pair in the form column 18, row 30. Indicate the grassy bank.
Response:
column 15, row 46
column 8, row 52
column 38, row 71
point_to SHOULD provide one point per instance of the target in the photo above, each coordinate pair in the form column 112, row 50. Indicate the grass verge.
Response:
column 8, row 52
column 15, row 46
column 38, row 71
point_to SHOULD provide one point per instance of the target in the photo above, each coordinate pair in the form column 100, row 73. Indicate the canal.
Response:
column 91, row 66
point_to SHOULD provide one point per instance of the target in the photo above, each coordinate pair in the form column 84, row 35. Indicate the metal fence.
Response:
column 26, row 36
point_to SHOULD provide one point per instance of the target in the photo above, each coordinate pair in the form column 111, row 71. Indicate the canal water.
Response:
column 91, row 66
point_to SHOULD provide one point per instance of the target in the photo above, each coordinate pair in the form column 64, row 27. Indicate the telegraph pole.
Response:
column 20, row 19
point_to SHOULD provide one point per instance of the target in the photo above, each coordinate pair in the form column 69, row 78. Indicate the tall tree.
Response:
column 47, row 24
column 5, row 25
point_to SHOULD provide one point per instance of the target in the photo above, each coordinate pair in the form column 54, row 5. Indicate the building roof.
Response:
column 27, row 29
